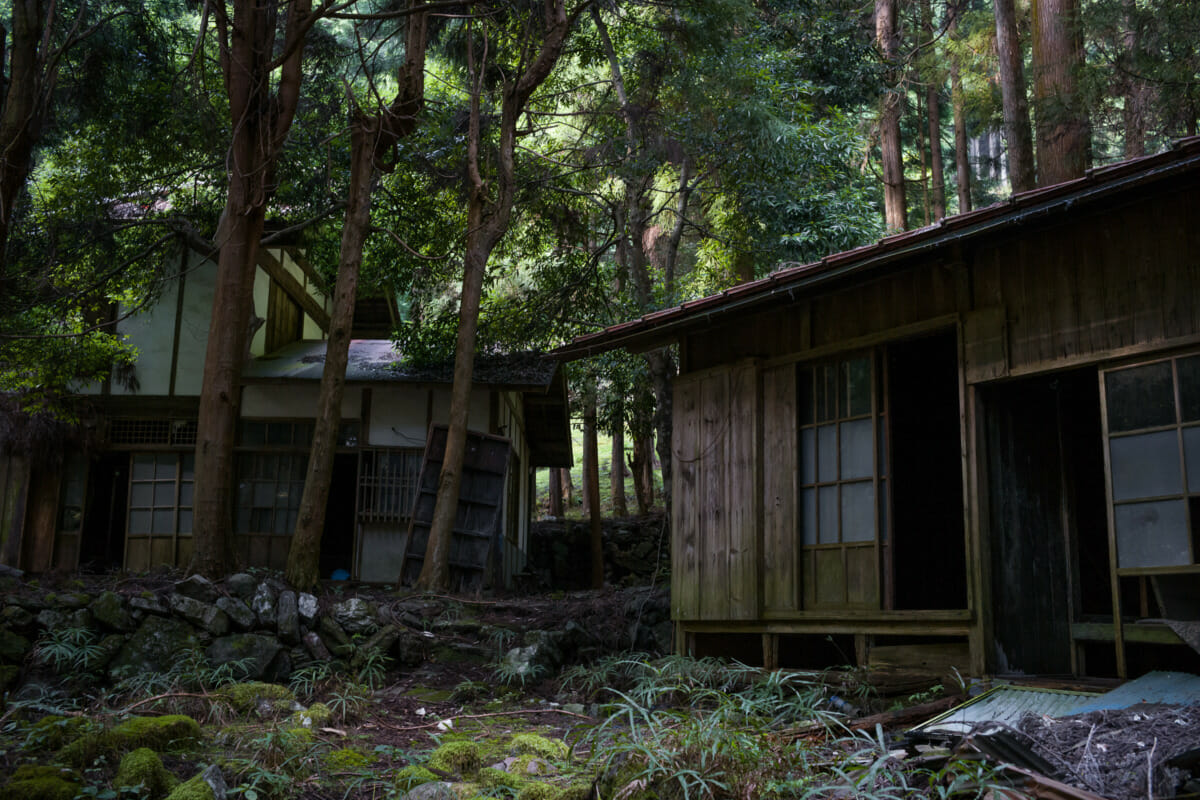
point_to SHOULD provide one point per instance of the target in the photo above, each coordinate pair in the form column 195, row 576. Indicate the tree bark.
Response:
column 568, row 488
column 887, row 39
column 1063, row 131
column 642, row 467
column 591, row 460
column 933, row 93
column 1135, row 89
column 260, row 122
column 555, row 489
column 1012, row 93
column 962, row 163
column 372, row 137
column 487, row 222
column 617, row 470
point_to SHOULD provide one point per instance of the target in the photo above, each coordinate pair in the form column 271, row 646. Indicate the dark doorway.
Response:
column 929, row 549
column 1045, row 485
column 102, row 538
column 337, row 542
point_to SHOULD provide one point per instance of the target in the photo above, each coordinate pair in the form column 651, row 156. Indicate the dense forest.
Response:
column 515, row 173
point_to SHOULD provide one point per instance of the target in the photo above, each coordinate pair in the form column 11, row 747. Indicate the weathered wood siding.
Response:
column 781, row 589
column 1127, row 277
column 715, row 558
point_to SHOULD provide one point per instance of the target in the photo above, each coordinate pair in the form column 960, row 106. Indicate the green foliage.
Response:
column 42, row 782
column 540, row 746
column 196, row 788
column 158, row 733
column 460, row 757
column 143, row 769
column 254, row 695
column 412, row 776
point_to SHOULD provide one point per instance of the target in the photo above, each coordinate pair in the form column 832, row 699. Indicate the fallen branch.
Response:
column 209, row 697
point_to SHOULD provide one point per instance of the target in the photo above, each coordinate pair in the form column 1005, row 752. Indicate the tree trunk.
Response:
column 1063, row 131
column 555, row 489
column 487, row 221
column 371, row 139
column 617, row 470
column 1012, row 94
column 933, row 92
column 260, row 122
column 568, row 488
column 591, row 460
column 1136, row 89
column 640, row 464
column 662, row 373
column 304, row 552
column 887, row 39
column 962, row 163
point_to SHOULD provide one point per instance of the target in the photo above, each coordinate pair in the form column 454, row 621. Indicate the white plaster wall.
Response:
column 262, row 290
column 398, row 416
column 293, row 400
column 152, row 332
column 198, row 290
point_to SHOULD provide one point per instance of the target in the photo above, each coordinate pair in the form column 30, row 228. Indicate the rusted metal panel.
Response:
column 476, row 537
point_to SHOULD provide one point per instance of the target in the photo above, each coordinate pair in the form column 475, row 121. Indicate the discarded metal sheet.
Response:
column 1005, row 705
column 1163, row 688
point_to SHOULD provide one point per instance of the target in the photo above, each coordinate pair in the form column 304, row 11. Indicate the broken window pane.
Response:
column 858, row 512
column 1145, row 465
column 1152, row 534
column 829, row 515
column 860, row 386
column 1140, row 397
column 827, row 452
column 858, row 449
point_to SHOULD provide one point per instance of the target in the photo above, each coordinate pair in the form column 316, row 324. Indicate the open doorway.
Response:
column 337, row 541
column 925, row 468
column 102, row 538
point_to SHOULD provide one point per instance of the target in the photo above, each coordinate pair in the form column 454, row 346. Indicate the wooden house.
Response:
column 975, row 444
column 125, row 501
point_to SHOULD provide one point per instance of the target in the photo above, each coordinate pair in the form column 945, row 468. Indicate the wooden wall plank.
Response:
column 713, row 530
column 685, row 556
column 741, row 493
column 780, row 522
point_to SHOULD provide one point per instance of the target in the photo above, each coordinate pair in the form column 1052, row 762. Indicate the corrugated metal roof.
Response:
column 659, row 325
column 377, row 361
column 1006, row 705
column 1165, row 688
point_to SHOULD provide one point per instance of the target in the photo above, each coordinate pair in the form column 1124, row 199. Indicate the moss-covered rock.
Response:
column 143, row 768
column 318, row 715
column 267, row 699
column 158, row 733
column 346, row 759
column 413, row 776
column 192, row 789
column 540, row 791
column 31, row 782
column 461, row 757
column 13, row 646
column 540, row 746
column 492, row 778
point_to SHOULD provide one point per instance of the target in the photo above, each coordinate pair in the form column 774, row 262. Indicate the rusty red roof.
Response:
column 660, row 327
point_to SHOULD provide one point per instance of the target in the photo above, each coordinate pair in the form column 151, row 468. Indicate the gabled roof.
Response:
column 377, row 361
column 795, row 281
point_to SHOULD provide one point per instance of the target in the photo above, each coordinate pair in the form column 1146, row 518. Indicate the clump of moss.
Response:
column 143, row 768
column 318, row 715
column 43, row 783
column 540, row 791
column 347, row 758
column 413, row 776
column 193, row 789
column 534, row 745
column 256, row 696
column 460, row 757
column 492, row 778
column 157, row 733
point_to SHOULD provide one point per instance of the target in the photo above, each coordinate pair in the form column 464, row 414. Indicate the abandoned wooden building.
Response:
column 976, row 444
column 124, row 500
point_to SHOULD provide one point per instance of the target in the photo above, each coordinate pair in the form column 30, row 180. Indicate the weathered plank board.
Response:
column 781, row 530
column 475, row 540
column 741, row 491
column 685, row 556
column 713, row 529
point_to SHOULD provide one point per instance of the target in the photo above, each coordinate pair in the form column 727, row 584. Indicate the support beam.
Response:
column 273, row 267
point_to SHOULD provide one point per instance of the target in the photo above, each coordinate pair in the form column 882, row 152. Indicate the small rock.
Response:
column 47, row 618
column 13, row 647
column 316, row 648
column 255, row 653
column 241, row 584
column 149, row 604
column 216, row 781
column 16, row 617
column 307, row 606
column 238, row 612
column 334, row 637
column 74, row 600
column 155, row 646
column 436, row 790
column 197, row 587
column 10, row 572
column 263, row 605
column 109, row 611
column 287, row 616
column 189, row 608
column 215, row 621
column 355, row 615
